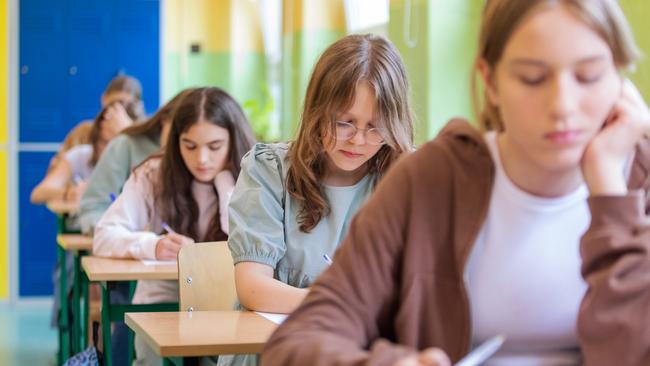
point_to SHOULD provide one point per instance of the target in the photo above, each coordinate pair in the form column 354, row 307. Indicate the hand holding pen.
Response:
column 168, row 246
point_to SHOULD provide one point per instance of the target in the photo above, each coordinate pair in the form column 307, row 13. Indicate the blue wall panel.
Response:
column 69, row 51
column 37, row 230
column 43, row 72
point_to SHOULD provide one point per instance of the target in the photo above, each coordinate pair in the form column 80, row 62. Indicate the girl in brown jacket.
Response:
column 535, row 228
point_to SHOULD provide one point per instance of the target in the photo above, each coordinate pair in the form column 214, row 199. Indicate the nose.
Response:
column 564, row 98
column 359, row 137
column 204, row 156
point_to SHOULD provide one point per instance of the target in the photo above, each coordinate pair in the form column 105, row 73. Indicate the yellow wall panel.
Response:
column 207, row 22
column 304, row 15
column 247, row 23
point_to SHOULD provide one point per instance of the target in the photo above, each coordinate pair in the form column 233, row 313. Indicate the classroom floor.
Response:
column 26, row 337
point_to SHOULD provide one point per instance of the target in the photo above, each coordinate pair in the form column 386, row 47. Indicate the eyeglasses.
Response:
column 346, row 130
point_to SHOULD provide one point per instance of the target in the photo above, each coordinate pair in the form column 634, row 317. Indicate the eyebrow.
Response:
column 538, row 63
column 185, row 139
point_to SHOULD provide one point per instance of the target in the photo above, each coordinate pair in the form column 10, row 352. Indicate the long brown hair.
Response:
column 502, row 17
column 95, row 136
column 153, row 126
column 174, row 199
column 331, row 90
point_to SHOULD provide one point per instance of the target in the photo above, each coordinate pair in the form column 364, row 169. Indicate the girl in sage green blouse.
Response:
column 292, row 203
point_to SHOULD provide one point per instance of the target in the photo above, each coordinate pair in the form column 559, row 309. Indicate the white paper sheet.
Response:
column 276, row 318
column 153, row 262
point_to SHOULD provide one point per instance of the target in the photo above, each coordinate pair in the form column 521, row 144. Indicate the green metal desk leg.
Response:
column 86, row 315
column 106, row 324
column 131, row 336
column 172, row 361
column 76, row 305
column 64, row 323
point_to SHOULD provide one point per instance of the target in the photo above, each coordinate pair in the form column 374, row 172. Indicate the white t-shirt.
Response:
column 524, row 273
column 79, row 159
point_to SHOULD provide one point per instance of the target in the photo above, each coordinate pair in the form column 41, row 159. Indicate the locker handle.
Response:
column 24, row 70
column 73, row 70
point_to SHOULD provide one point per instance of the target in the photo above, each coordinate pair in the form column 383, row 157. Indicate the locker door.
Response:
column 91, row 50
column 137, row 31
column 42, row 77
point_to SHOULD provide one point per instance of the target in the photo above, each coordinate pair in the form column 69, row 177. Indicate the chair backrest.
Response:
column 206, row 277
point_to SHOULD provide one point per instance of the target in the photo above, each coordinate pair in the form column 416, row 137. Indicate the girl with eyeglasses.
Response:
column 292, row 203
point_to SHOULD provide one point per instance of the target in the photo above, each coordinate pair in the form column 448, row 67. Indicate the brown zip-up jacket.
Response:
column 397, row 282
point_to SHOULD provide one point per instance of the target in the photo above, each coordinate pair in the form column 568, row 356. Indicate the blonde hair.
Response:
column 331, row 90
column 502, row 17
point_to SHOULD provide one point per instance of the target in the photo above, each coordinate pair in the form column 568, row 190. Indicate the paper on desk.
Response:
column 153, row 262
column 276, row 318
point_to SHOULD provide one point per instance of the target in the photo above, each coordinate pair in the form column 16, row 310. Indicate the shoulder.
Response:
column 82, row 129
column 458, row 143
column 79, row 151
column 266, row 157
column 457, row 157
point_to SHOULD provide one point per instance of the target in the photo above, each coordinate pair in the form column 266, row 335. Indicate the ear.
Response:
column 487, row 76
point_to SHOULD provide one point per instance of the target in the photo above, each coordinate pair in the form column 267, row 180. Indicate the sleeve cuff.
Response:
column 148, row 247
column 624, row 211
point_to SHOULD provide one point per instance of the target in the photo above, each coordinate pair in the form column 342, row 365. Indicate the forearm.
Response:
column 118, row 242
column 259, row 292
column 605, row 178
column 42, row 194
column 616, row 261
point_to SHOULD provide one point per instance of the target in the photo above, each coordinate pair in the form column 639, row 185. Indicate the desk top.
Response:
column 61, row 207
column 111, row 269
column 202, row 333
column 75, row 242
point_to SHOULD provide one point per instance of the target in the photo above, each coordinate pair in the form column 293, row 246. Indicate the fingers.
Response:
column 179, row 239
column 167, row 249
column 428, row 357
column 433, row 357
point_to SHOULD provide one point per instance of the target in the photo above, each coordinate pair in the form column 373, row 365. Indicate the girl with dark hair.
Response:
column 67, row 179
column 125, row 152
column 186, row 187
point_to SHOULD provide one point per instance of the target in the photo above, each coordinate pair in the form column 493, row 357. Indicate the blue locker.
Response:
column 37, row 230
column 90, row 55
column 42, row 72
column 138, row 33
column 69, row 51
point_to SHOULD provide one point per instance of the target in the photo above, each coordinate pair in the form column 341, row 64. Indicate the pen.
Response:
column 112, row 196
column 167, row 228
column 482, row 352
column 327, row 259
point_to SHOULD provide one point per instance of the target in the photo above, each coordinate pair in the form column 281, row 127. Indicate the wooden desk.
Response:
column 75, row 242
column 108, row 271
column 202, row 333
column 111, row 270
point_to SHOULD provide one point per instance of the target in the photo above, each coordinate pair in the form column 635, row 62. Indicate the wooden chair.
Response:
column 206, row 277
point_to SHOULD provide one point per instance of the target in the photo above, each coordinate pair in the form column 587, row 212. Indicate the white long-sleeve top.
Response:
column 131, row 227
